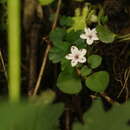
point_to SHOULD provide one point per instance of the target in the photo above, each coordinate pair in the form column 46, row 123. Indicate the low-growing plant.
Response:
column 72, row 47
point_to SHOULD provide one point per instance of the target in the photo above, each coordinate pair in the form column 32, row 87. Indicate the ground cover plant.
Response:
column 64, row 64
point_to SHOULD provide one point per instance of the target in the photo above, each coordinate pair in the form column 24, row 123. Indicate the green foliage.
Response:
column 94, row 61
column 58, row 52
column 47, row 97
column 65, row 65
column 69, row 83
column 74, row 38
column 57, row 36
column 85, row 71
column 79, row 21
column 45, row 2
column 104, row 34
column 97, row 119
column 98, row 81
column 60, row 48
column 62, row 40
column 66, row 21
column 27, row 116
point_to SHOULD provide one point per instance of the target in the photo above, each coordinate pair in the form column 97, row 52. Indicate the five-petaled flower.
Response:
column 89, row 35
column 76, row 56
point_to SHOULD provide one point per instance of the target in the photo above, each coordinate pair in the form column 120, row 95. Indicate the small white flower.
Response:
column 89, row 35
column 76, row 56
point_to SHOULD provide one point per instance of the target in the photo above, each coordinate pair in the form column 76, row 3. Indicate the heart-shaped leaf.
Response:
column 85, row 71
column 104, row 34
column 69, row 83
column 98, row 81
column 94, row 61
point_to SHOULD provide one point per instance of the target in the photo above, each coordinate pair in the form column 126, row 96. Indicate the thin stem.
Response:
column 3, row 64
column 124, row 36
column 47, row 51
column 125, row 39
column 41, row 71
column 14, row 49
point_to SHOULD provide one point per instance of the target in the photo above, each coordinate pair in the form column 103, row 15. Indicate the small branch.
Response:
column 41, row 70
column 56, row 15
column 47, row 51
column 125, row 86
column 106, row 97
column 3, row 64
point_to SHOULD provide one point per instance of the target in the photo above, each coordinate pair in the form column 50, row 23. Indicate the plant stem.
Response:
column 3, row 64
column 47, row 51
column 14, row 49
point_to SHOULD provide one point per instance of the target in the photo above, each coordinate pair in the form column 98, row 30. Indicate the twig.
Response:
column 106, row 97
column 46, row 51
column 41, row 71
column 56, row 15
column 126, row 77
column 3, row 64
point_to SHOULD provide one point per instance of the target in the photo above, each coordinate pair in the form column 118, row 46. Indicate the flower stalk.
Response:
column 14, row 49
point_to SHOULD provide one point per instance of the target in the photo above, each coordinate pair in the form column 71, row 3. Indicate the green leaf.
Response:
column 46, row 97
column 57, row 35
column 94, row 61
column 45, row 2
column 28, row 116
column 79, row 20
column 66, row 21
column 97, row 119
column 85, row 71
column 72, row 36
column 69, row 83
column 74, row 39
column 66, row 65
column 104, row 34
column 58, row 52
column 98, row 81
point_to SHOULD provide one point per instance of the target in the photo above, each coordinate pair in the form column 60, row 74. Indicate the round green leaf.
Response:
column 98, row 81
column 69, row 83
column 85, row 71
column 104, row 34
column 94, row 61
column 45, row 2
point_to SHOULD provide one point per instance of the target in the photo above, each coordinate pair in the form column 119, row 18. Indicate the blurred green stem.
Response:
column 14, row 49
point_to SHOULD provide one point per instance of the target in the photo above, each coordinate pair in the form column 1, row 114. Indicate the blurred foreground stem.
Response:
column 14, row 49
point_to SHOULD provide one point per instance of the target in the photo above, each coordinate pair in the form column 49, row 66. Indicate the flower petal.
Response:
column 90, row 41
column 95, row 37
column 74, row 50
column 82, row 60
column 87, row 30
column 69, row 56
column 94, row 30
column 83, row 36
column 74, row 63
column 83, row 52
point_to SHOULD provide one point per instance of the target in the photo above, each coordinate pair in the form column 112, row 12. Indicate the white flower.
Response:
column 89, row 35
column 76, row 56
